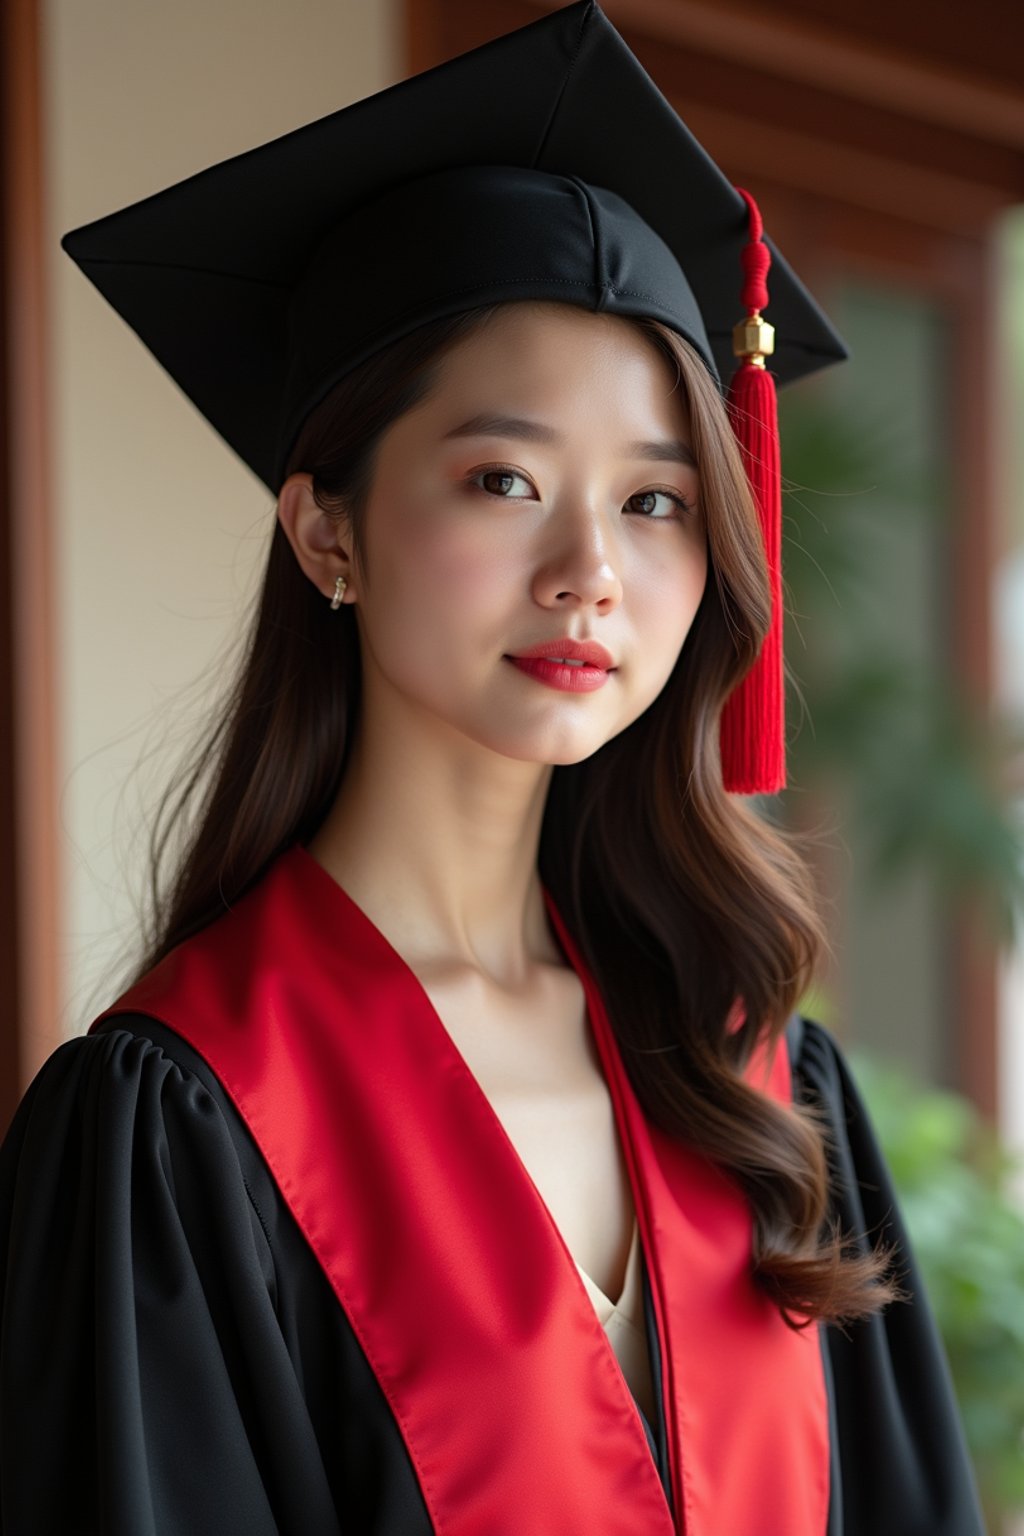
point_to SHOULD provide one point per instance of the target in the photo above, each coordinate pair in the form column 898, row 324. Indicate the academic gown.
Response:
column 175, row 1361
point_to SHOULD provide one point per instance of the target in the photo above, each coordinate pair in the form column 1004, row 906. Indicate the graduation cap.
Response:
column 545, row 164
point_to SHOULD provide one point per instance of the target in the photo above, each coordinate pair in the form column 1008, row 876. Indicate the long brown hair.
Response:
column 681, row 897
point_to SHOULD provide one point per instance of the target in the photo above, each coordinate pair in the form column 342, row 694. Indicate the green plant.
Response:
column 954, row 1182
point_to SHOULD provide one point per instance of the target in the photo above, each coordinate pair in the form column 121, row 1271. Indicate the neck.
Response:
column 437, row 842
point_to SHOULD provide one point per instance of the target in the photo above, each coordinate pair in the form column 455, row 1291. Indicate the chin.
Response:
column 560, row 753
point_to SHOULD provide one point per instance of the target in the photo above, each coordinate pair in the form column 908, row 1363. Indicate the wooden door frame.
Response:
column 30, row 907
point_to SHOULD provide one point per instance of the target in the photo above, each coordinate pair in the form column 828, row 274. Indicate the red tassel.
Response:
column 752, row 734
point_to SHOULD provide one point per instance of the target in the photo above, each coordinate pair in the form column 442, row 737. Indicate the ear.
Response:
column 314, row 536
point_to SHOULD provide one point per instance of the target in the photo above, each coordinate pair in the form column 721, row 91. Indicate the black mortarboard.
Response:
column 544, row 164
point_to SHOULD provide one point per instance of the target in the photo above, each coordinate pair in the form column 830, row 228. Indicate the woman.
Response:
column 456, row 1160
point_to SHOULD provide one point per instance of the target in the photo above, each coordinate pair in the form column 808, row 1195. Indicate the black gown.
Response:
column 174, row 1362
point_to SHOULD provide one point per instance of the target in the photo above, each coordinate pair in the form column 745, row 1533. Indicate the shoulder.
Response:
column 128, row 1063
column 862, row 1191
column 809, row 1042
column 112, row 1071
column 819, row 1065
column 132, row 1104
column 148, row 1044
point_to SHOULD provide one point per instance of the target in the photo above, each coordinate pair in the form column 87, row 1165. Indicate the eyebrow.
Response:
column 673, row 450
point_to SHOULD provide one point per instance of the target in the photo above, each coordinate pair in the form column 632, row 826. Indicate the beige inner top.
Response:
column 623, row 1322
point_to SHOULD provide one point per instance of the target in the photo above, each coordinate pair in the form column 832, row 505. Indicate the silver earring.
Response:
column 339, row 592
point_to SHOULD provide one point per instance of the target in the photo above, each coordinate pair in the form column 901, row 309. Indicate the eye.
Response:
column 501, row 478
column 680, row 503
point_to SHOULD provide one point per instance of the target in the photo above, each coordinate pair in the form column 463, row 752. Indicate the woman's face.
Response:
column 544, row 491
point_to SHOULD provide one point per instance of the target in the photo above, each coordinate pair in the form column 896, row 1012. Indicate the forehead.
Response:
column 534, row 355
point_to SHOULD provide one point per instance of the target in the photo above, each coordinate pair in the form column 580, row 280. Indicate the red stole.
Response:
column 449, row 1266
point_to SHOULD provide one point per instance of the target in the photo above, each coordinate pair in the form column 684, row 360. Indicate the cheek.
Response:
column 670, row 591
column 453, row 565
column 666, row 602
column 695, row 580
column 436, row 573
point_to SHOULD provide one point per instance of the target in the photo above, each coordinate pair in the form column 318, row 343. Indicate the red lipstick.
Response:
column 574, row 666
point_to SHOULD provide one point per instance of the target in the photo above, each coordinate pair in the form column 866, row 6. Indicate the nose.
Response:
column 581, row 566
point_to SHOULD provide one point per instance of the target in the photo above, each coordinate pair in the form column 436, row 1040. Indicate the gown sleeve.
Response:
column 900, row 1466
column 145, row 1386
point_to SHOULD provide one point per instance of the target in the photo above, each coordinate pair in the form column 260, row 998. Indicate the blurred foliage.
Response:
column 928, row 775
column 928, row 770
column 954, row 1182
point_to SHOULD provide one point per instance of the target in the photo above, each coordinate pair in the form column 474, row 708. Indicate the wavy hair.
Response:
column 681, row 897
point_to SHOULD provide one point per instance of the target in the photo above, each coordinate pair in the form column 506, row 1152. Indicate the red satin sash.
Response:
column 449, row 1266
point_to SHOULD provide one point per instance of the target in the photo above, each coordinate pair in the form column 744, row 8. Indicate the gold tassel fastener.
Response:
column 753, row 339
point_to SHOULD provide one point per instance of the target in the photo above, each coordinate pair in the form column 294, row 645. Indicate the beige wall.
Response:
column 160, row 531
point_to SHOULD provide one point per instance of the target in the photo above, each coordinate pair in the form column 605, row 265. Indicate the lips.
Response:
column 587, row 653
column 570, row 666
